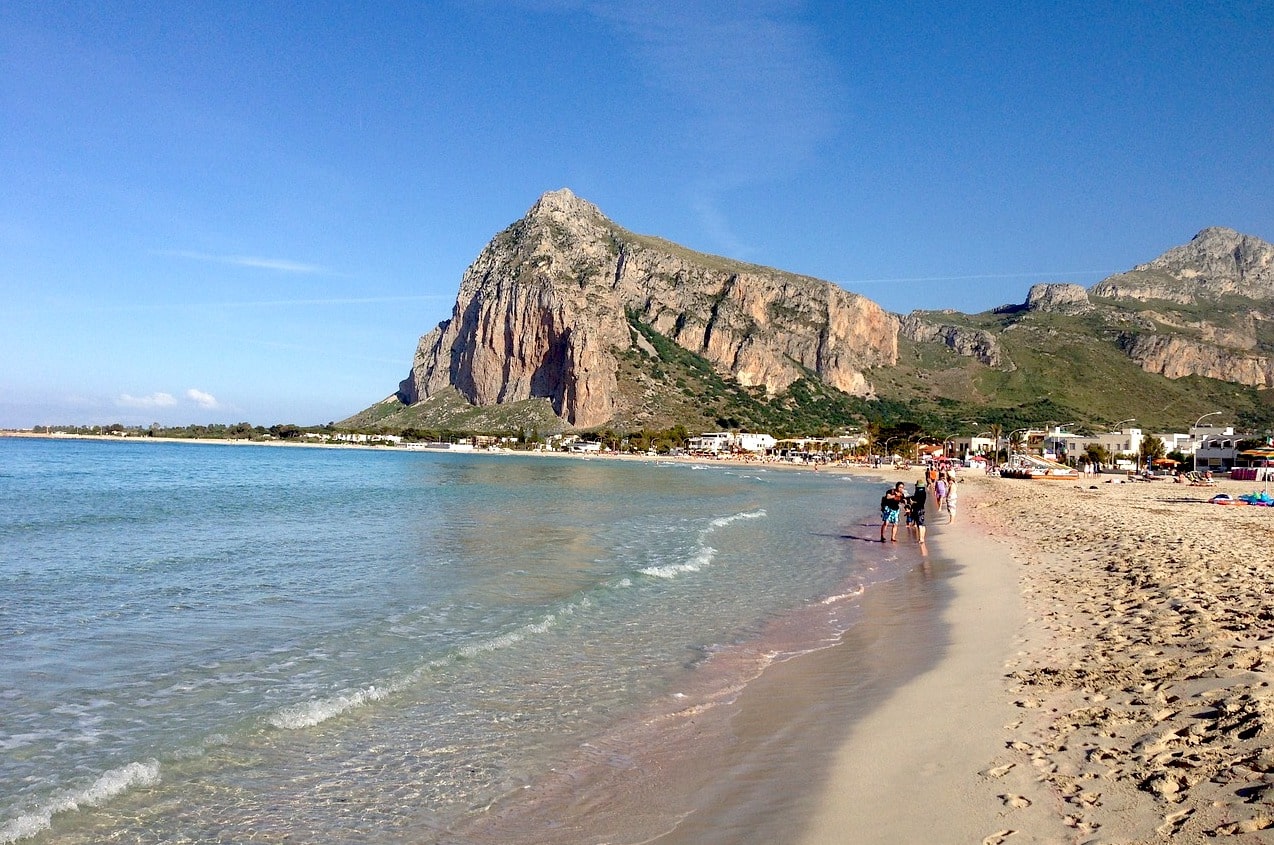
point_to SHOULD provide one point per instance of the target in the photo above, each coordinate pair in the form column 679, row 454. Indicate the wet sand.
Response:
column 909, row 771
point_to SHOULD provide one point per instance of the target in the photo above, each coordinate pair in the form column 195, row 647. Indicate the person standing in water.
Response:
column 890, row 504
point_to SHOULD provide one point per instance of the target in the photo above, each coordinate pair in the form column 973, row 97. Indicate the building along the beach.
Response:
column 715, row 442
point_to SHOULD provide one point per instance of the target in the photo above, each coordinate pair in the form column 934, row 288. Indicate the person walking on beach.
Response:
column 951, row 500
column 940, row 490
column 918, row 509
column 890, row 504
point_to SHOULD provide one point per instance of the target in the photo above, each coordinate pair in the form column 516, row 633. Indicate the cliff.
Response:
column 1205, row 309
column 545, row 311
column 565, row 319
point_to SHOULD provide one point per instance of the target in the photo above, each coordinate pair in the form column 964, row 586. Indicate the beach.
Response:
column 1081, row 661
column 1108, row 677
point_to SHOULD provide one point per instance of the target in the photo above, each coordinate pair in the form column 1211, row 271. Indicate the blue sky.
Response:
column 217, row 212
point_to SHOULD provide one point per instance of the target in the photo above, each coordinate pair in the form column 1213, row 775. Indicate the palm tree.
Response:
column 997, row 431
column 1016, row 440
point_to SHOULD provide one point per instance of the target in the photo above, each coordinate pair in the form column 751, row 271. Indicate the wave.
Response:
column 722, row 522
column 107, row 786
column 310, row 713
column 705, row 553
column 672, row 570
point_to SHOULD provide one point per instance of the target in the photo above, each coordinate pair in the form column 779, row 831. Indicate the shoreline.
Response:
column 1106, row 674
column 1100, row 669
column 907, row 769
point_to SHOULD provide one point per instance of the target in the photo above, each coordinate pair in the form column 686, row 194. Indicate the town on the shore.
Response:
column 1050, row 452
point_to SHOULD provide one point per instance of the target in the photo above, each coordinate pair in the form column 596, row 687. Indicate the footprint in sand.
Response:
column 1172, row 822
column 998, row 771
column 1018, row 802
column 999, row 837
column 1249, row 826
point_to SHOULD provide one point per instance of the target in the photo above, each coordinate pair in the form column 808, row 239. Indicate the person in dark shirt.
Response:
column 918, row 499
column 890, row 506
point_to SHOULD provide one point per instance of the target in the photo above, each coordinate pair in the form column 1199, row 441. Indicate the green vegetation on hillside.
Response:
column 1056, row 369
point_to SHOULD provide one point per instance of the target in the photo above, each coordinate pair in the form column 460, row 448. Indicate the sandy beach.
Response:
column 1108, row 678
column 1099, row 673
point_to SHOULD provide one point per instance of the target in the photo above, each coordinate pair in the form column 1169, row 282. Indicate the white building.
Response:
column 754, row 442
column 715, row 442
column 1058, row 444
column 712, row 442
column 1219, row 452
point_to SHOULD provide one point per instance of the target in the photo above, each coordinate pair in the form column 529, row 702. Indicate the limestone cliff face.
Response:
column 1058, row 297
column 971, row 343
column 1215, row 296
column 1175, row 356
column 542, row 312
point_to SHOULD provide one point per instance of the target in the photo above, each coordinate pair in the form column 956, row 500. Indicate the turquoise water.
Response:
column 220, row 643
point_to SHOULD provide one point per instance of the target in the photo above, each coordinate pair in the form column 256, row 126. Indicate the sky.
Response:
column 224, row 212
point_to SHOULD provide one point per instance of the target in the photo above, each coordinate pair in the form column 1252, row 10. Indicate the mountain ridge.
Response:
column 564, row 309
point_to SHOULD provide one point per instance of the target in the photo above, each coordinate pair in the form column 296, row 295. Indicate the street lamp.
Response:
column 1196, row 446
column 1058, row 446
column 1117, row 428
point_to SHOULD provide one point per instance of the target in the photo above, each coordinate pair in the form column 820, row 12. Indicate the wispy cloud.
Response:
column 159, row 399
column 204, row 400
column 757, row 85
column 82, row 306
column 281, row 265
column 154, row 400
column 1049, row 274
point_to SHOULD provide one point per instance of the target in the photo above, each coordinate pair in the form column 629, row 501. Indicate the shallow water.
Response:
column 208, row 643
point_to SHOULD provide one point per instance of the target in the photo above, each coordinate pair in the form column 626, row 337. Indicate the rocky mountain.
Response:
column 565, row 319
column 549, row 306
column 1207, row 309
column 1215, row 264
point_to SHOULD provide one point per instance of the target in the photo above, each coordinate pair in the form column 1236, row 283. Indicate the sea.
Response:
column 234, row 643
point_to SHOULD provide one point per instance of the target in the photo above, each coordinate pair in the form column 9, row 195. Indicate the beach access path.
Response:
column 1108, row 677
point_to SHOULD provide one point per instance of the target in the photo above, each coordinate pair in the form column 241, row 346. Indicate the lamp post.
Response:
column 1117, row 427
column 1195, row 456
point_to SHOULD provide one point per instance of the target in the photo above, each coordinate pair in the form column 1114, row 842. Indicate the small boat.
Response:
column 1038, row 469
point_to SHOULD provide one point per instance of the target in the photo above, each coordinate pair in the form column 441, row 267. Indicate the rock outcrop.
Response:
column 1216, row 262
column 1231, row 275
column 544, row 311
column 972, row 343
column 1065, row 298
column 1175, row 356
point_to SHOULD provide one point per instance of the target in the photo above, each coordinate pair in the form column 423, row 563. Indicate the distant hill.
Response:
column 566, row 320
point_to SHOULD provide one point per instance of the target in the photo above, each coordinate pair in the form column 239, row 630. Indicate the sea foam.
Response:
column 107, row 786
